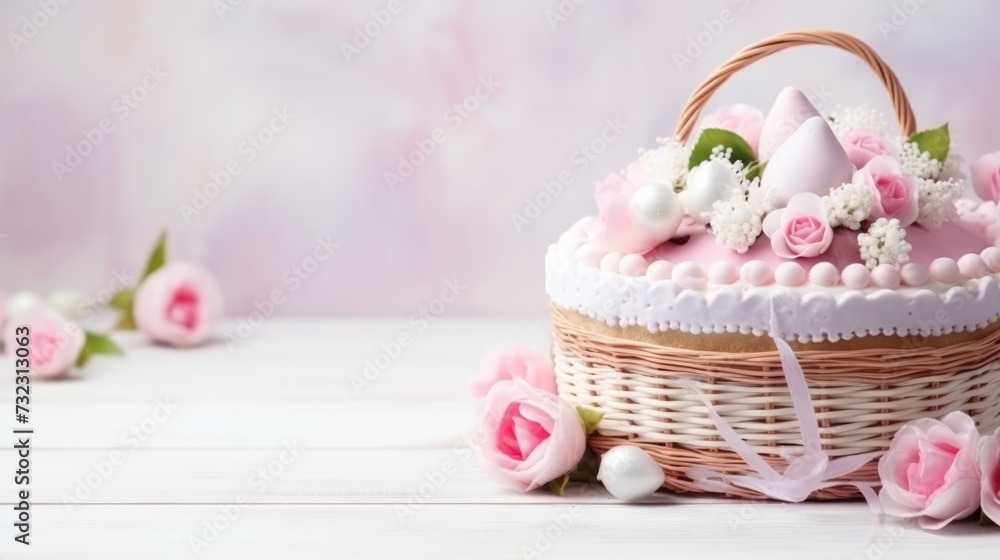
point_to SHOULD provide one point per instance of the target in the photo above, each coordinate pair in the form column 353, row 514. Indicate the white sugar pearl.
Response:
column 629, row 473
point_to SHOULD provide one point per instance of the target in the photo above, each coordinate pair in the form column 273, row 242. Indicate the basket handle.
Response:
column 756, row 51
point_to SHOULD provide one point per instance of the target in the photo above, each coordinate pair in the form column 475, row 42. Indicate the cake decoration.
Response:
column 986, row 177
column 810, row 160
column 745, row 120
column 884, row 244
column 801, row 229
column 786, row 367
column 791, row 108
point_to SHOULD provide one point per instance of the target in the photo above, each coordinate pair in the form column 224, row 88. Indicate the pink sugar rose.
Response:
column 745, row 120
column 986, row 177
column 862, row 146
column 930, row 471
column 801, row 229
column 612, row 186
column 531, row 366
column 179, row 304
column 989, row 466
column 532, row 436
column 55, row 342
column 894, row 191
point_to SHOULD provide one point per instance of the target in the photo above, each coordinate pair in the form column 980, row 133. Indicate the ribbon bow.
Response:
column 806, row 473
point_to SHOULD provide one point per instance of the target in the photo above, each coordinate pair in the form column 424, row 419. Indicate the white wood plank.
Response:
column 300, row 476
column 817, row 531
column 266, row 425
column 296, row 360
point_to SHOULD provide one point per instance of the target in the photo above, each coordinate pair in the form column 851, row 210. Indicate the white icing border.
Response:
column 807, row 314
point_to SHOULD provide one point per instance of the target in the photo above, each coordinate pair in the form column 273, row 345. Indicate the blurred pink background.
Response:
column 78, row 204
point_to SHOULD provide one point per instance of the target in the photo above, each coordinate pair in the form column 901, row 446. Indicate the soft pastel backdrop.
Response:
column 560, row 79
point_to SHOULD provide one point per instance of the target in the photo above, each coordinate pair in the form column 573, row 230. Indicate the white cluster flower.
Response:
column 668, row 163
column 885, row 243
column 862, row 117
column 952, row 168
column 936, row 201
column 738, row 221
column 917, row 163
column 848, row 205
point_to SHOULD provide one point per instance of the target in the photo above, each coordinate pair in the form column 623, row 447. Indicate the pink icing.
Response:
column 945, row 270
column 633, row 265
column 660, row 270
column 950, row 240
column 972, row 266
column 789, row 274
column 886, row 276
column 756, row 273
column 856, row 276
column 723, row 272
column 991, row 256
column 611, row 262
column 689, row 275
column 824, row 274
column 914, row 274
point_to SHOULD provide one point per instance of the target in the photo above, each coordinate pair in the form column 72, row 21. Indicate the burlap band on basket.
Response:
column 861, row 396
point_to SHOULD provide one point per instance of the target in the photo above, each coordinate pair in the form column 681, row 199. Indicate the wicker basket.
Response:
column 863, row 390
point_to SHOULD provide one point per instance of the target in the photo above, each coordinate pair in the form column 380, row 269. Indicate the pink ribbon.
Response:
column 806, row 473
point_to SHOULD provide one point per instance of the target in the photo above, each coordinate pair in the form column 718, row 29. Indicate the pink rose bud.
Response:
column 516, row 363
column 986, row 177
column 894, row 192
column 930, row 471
column 989, row 466
column 802, row 229
column 745, row 120
column 54, row 342
column 179, row 304
column 532, row 436
column 862, row 146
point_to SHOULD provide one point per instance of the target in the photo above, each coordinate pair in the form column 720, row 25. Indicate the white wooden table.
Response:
column 273, row 445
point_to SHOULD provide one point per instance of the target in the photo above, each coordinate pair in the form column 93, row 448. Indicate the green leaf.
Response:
column 125, row 322
column 712, row 137
column 936, row 142
column 586, row 470
column 558, row 485
column 591, row 418
column 755, row 170
column 157, row 257
column 95, row 344
column 122, row 301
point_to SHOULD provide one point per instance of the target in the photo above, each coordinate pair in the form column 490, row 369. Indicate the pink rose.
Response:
column 179, row 304
column 54, row 342
column 516, row 363
column 989, row 466
column 532, row 436
column 986, row 177
column 801, row 229
column 745, row 120
column 862, row 146
column 930, row 471
column 894, row 192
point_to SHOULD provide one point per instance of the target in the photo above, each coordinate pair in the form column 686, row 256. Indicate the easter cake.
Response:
column 846, row 234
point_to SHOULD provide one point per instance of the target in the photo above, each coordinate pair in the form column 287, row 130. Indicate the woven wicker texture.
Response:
column 861, row 397
column 752, row 53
